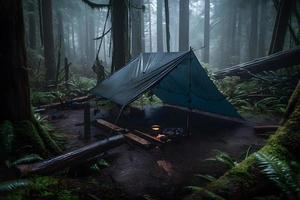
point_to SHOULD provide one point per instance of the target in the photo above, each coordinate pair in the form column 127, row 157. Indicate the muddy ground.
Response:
column 161, row 173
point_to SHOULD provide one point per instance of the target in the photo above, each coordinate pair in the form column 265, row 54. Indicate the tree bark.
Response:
column 184, row 25
column 245, row 181
column 206, row 31
column 119, row 34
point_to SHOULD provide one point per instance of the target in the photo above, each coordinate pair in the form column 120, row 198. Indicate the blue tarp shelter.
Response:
column 176, row 78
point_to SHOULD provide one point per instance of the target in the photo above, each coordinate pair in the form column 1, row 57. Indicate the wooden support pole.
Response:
column 87, row 121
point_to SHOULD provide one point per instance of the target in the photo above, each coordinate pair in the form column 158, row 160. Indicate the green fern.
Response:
column 207, row 177
column 13, row 185
column 280, row 173
column 27, row 159
column 224, row 158
column 204, row 193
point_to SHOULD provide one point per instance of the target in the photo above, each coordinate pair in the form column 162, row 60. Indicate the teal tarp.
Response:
column 176, row 78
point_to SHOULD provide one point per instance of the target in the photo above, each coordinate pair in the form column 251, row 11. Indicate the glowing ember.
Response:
column 155, row 127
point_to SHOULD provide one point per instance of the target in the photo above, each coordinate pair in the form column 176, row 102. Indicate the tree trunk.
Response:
column 184, row 25
column 73, row 40
column 238, row 45
column 92, row 53
column 206, row 31
column 167, row 24
column 281, row 25
column 48, row 40
column 262, row 29
column 119, row 34
column 245, row 181
column 16, row 113
column 32, row 26
column 15, row 101
column 159, row 26
column 136, row 15
column 150, row 26
column 253, row 31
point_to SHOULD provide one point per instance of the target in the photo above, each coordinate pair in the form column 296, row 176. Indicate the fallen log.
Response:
column 71, row 159
column 272, row 62
column 64, row 103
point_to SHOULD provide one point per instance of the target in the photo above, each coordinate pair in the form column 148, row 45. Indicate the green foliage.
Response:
column 279, row 171
column 206, row 177
column 100, row 164
column 13, row 185
column 27, row 159
column 267, row 92
column 6, row 139
column 224, row 158
column 40, row 98
column 147, row 99
column 81, row 84
column 41, row 188
column 204, row 193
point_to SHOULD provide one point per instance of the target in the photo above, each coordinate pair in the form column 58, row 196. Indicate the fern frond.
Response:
column 223, row 158
column 27, row 159
column 13, row 185
column 279, row 172
column 206, row 177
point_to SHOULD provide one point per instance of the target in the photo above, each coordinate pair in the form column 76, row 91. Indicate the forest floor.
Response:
column 159, row 173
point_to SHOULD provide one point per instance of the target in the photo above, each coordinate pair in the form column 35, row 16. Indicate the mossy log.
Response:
column 245, row 181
